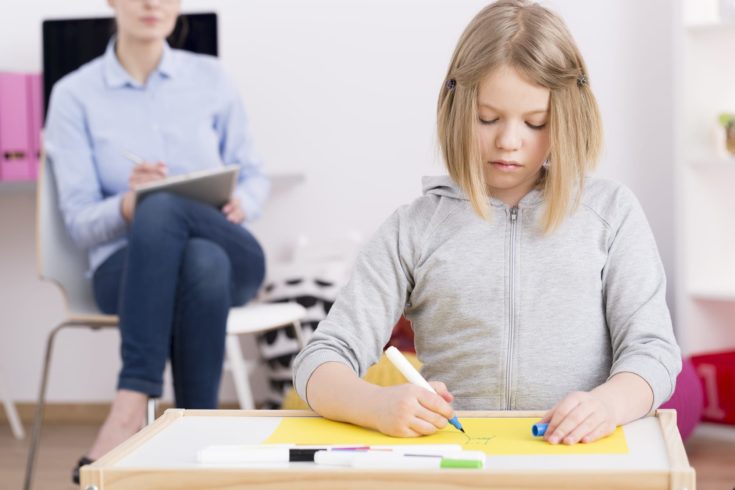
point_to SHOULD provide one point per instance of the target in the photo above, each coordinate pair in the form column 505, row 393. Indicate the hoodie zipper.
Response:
column 511, row 309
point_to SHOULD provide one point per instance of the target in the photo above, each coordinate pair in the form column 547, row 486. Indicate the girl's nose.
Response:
column 508, row 138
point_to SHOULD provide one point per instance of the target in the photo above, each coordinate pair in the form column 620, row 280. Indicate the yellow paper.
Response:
column 495, row 436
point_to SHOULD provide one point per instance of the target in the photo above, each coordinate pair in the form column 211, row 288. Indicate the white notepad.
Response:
column 214, row 187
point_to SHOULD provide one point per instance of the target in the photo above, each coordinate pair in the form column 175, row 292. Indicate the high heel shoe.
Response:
column 83, row 461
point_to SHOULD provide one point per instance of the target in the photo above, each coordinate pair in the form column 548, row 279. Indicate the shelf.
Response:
column 715, row 431
column 711, row 27
column 714, row 162
column 286, row 180
column 713, row 293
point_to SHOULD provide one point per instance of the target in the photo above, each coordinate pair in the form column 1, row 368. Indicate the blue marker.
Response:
column 539, row 429
column 406, row 369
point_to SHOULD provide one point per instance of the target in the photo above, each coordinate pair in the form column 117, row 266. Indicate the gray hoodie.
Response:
column 507, row 317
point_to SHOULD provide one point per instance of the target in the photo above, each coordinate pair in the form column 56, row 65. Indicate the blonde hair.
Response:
column 534, row 41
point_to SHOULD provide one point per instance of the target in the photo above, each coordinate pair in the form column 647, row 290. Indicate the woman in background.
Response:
column 171, row 268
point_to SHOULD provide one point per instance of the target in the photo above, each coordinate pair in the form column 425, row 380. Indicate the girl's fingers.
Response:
column 603, row 430
column 435, row 404
column 570, row 422
column 442, row 391
column 437, row 420
column 560, row 413
column 583, row 428
column 421, row 426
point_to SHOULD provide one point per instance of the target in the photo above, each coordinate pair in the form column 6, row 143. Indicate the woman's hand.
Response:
column 146, row 172
column 141, row 174
column 233, row 211
column 580, row 417
column 127, row 209
column 411, row 411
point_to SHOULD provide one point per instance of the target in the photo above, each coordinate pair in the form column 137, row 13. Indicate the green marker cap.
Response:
column 461, row 463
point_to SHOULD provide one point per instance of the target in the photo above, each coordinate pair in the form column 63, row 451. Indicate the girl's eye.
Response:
column 535, row 126
column 483, row 121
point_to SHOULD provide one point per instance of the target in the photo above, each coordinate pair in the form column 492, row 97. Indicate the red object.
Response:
column 402, row 336
column 716, row 371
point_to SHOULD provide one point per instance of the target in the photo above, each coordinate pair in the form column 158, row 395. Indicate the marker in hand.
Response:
column 413, row 376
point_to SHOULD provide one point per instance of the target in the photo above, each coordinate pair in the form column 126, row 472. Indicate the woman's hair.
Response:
column 535, row 42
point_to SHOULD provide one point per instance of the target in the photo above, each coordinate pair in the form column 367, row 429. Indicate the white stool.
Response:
column 256, row 318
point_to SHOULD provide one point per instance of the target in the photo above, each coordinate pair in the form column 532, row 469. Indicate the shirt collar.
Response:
column 116, row 76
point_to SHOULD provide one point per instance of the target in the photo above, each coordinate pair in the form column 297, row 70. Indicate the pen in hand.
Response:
column 413, row 376
column 132, row 157
column 144, row 172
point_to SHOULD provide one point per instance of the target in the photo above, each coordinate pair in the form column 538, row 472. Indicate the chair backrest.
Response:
column 58, row 258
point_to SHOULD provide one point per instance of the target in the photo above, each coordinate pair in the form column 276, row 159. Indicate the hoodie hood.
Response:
column 442, row 185
column 445, row 186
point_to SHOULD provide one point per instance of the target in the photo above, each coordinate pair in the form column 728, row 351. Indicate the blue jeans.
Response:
column 184, row 266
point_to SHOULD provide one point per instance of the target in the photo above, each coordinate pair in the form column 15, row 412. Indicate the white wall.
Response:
column 343, row 92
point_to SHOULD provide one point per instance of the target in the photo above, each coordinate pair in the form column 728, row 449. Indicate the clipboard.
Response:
column 213, row 187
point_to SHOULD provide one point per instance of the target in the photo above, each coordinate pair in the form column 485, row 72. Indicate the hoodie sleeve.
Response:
column 360, row 322
column 634, row 291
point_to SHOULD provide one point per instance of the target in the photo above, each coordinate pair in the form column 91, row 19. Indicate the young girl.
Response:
column 529, row 284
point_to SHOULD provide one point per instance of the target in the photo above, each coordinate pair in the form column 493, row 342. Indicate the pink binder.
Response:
column 14, row 141
column 35, row 121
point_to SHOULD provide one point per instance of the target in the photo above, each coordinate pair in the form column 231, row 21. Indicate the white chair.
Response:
column 252, row 319
column 60, row 261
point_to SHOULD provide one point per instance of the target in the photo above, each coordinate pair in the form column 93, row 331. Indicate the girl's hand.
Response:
column 580, row 417
column 233, row 211
column 146, row 172
column 410, row 411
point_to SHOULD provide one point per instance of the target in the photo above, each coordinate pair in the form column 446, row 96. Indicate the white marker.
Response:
column 413, row 376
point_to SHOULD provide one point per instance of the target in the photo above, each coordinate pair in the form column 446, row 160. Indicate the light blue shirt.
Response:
column 187, row 114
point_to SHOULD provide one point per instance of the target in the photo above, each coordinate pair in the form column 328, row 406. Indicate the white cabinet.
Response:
column 705, row 179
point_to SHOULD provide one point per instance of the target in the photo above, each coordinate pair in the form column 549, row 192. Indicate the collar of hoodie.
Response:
column 444, row 186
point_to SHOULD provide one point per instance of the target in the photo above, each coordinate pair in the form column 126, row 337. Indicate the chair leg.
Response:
column 299, row 334
column 15, row 426
column 150, row 414
column 239, row 372
column 40, row 405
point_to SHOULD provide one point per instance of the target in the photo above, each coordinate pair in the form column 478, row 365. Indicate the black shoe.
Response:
column 75, row 472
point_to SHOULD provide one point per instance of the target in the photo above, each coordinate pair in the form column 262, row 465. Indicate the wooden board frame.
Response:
column 103, row 475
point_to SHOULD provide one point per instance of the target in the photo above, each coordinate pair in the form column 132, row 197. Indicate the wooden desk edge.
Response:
column 92, row 474
column 309, row 413
column 682, row 476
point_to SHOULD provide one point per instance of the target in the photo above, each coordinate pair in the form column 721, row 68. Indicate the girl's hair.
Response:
column 535, row 42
